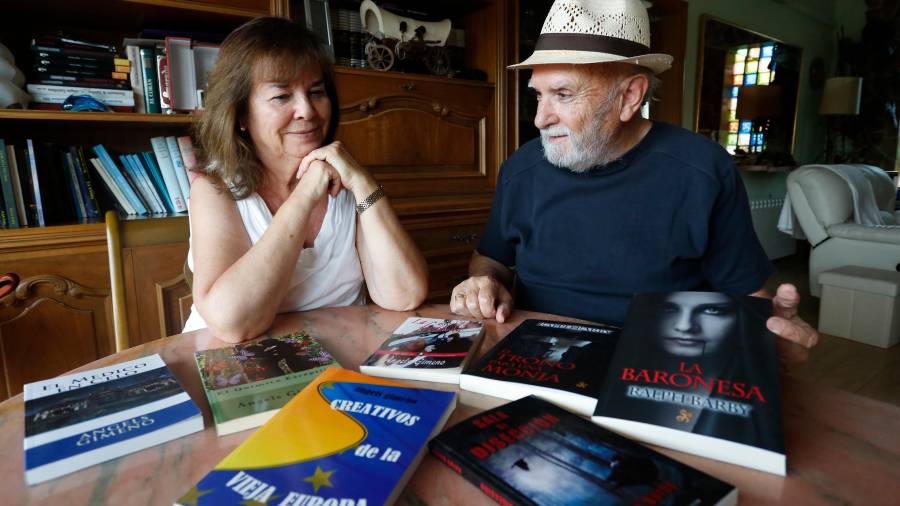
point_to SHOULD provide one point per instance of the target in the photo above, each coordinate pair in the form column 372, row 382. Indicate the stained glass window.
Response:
column 748, row 65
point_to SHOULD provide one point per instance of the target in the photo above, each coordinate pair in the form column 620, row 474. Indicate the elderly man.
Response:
column 606, row 203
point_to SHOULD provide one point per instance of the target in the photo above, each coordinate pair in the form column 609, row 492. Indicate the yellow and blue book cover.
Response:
column 347, row 439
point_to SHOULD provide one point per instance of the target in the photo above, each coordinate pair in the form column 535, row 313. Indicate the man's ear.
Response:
column 633, row 97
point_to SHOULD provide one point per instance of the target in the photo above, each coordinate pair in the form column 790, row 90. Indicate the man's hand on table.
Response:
column 481, row 297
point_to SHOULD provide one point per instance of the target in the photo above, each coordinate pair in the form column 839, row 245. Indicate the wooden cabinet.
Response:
column 60, row 315
column 432, row 143
column 436, row 143
column 156, row 299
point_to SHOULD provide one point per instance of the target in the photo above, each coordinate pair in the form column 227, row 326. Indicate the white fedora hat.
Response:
column 596, row 31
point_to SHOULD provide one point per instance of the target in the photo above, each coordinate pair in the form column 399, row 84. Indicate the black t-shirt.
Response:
column 672, row 214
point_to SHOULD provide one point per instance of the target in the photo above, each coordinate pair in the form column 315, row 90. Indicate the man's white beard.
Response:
column 587, row 149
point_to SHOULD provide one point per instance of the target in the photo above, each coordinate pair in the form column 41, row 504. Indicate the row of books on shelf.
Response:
column 582, row 395
column 42, row 183
column 152, row 76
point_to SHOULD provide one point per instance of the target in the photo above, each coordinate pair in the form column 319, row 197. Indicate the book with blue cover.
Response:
column 346, row 438
column 82, row 419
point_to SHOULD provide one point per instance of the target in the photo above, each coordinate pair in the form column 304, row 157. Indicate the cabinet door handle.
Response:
column 409, row 87
column 368, row 105
column 440, row 109
column 8, row 283
column 464, row 238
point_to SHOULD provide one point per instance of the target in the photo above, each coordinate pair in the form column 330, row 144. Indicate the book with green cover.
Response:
column 246, row 384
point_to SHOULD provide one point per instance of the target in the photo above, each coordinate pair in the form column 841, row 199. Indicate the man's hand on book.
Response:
column 797, row 336
column 482, row 297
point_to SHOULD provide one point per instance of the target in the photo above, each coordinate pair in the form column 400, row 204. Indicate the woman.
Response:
column 283, row 218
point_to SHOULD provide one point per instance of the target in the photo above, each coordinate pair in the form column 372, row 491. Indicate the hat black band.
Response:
column 589, row 42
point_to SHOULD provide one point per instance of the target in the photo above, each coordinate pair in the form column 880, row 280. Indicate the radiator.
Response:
column 765, row 214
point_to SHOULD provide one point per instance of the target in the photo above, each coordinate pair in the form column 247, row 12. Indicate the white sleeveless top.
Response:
column 326, row 275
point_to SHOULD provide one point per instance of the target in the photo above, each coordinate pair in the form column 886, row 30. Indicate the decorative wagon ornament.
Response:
column 393, row 38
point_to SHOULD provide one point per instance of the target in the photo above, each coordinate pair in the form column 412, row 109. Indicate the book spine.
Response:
column 35, row 185
column 45, row 50
column 58, row 94
column 157, row 180
column 136, row 78
column 105, row 84
column 136, row 184
column 119, row 179
column 164, row 160
column 92, row 210
column 9, row 200
column 180, row 172
column 186, row 148
column 66, row 58
column 11, row 159
column 27, row 185
column 68, row 42
column 151, row 92
column 145, row 180
column 52, row 72
column 74, row 189
column 107, row 64
column 162, row 80
column 119, row 198
column 491, row 487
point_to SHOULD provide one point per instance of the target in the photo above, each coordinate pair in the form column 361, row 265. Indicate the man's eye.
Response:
column 563, row 96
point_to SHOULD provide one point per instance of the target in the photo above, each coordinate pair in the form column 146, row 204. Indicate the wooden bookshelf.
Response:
column 101, row 117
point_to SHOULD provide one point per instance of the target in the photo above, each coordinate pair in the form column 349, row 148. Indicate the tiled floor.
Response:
column 841, row 363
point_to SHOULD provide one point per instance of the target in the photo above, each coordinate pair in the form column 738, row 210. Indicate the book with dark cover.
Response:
column 346, row 439
column 698, row 372
column 557, row 361
column 6, row 184
column 531, row 452
column 82, row 419
column 246, row 384
column 85, row 182
column 426, row 349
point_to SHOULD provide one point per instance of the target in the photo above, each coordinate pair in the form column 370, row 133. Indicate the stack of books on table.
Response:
column 583, row 397
column 64, row 66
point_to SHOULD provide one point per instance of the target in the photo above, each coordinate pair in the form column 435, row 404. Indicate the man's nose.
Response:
column 546, row 115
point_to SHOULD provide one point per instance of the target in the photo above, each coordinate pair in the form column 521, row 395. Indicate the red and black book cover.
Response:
column 532, row 452
column 698, row 364
column 539, row 355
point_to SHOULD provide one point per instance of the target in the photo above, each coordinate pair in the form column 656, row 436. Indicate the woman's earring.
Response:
column 243, row 129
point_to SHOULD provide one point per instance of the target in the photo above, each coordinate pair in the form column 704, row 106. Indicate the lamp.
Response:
column 760, row 104
column 840, row 97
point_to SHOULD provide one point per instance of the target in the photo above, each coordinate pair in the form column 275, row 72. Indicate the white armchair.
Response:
column 823, row 204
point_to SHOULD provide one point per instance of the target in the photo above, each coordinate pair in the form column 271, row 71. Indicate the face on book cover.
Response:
column 288, row 119
column 696, row 324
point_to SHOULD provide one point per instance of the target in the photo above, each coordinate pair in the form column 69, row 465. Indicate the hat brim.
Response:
column 656, row 62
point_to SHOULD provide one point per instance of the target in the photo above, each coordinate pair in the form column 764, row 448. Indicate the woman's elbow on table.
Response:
column 406, row 297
